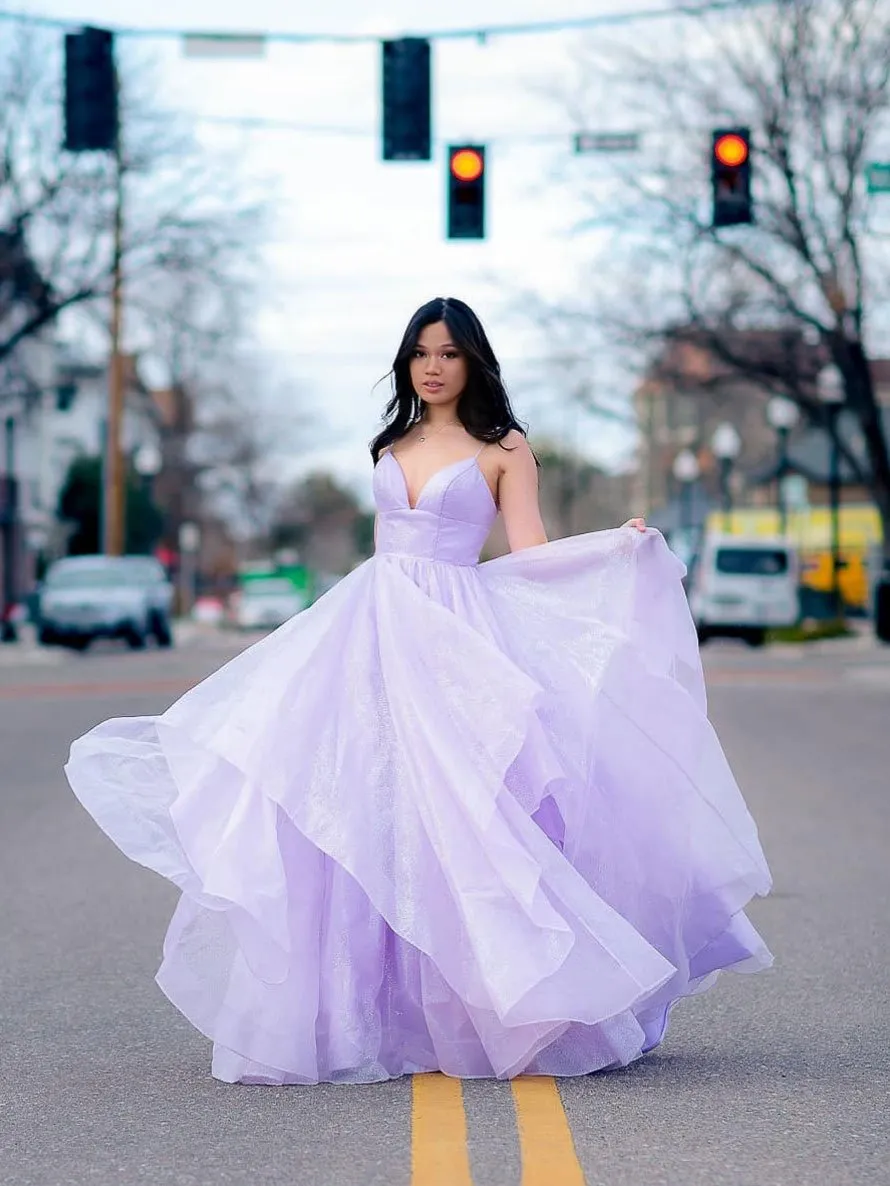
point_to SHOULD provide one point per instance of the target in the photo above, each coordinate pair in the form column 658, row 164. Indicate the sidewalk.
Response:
column 862, row 644
column 27, row 652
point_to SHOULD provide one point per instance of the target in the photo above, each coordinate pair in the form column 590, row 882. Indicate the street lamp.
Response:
column 148, row 461
column 726, row 444
column 782, row 414
column 686, row 470
column 189, row 546
column 830, row 385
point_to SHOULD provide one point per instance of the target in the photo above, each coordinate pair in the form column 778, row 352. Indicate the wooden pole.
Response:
column 114, row 485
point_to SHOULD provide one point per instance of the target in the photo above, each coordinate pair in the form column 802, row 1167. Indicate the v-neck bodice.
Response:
column 451, row 519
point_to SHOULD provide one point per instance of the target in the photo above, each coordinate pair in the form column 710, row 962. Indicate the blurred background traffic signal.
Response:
column 91, row 115
column 466, row 191
column 407, row 100
column 731, row 177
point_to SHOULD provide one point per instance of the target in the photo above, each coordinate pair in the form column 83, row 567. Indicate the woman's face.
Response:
column 438, row 368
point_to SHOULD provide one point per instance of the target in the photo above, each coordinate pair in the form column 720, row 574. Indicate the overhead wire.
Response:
column 475, row 33
column 480, row 33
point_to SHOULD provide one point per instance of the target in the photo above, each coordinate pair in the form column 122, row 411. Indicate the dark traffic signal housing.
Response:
column 466, row 191
column 91, row 103
column 731, row 177
column 407, row 100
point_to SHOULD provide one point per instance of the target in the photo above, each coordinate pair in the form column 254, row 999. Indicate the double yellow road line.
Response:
column 439, row 1150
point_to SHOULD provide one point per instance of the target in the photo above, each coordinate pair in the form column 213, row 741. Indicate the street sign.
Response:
column 877, row 176
column 189, row 537
column 223, row 45
column 795, row 492
column 607, row 142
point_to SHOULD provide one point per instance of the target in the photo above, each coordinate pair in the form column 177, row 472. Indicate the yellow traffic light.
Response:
column 467, row 164
column 731, row 150
column 466, row 191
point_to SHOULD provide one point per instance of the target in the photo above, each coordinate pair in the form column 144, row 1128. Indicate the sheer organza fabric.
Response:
column 455, row 816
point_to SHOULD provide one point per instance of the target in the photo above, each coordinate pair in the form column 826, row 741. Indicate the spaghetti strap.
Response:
column 479, row 450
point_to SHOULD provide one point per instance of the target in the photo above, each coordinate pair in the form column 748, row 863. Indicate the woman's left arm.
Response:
column 518, row 494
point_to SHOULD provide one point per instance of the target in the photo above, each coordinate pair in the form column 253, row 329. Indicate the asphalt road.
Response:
column 765, row 1081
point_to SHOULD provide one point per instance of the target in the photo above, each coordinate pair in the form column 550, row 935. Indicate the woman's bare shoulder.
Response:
column 516, row 451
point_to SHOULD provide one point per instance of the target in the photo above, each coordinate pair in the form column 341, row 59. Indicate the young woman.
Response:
column 455, row 816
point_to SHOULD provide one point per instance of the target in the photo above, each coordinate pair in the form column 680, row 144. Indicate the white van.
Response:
column 742, row 586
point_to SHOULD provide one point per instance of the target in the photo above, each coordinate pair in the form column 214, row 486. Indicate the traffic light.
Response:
column 731, row 177
column 91, row 115
column 406, row 100
column 466, row 192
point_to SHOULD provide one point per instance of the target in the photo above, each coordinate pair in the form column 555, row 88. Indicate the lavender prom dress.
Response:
column 456, row 816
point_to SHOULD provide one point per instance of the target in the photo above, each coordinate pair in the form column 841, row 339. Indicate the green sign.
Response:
column 301, row 577
column 877, row 176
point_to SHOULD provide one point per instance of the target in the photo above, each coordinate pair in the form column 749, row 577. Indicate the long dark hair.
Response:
column 484, row 406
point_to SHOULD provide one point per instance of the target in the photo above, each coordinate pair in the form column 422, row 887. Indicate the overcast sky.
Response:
column 360, row 244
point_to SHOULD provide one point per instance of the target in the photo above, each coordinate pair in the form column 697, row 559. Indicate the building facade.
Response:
column 687, row 392
column 53, row 408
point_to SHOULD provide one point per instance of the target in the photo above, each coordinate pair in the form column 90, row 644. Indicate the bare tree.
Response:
column 229, row 432
column 324, row 521
column 189, row 217
column 195, row 222
column 241, row 458
column 812, row 80
column 575, row 494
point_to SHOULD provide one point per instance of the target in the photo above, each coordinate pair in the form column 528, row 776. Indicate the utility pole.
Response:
column 114, row 486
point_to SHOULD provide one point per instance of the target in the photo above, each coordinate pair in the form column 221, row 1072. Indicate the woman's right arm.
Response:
column 385, row 449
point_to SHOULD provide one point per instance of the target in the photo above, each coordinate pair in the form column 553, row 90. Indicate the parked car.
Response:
column 87, row 597
column 265, row 603
column 208, row 611
column 742, row 586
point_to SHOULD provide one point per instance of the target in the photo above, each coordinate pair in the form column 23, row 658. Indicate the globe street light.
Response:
column 189, row 546
column 148, row 463
column 782, row 414
column 148, row 460
column 830, row 385
column 726, row 444
column 686, row 470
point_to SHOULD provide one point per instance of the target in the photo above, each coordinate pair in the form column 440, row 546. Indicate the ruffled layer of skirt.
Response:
column 462, row 819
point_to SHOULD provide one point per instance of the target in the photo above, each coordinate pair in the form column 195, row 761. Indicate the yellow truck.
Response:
column 810, row 532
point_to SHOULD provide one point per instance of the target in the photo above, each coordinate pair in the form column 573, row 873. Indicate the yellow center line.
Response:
column 545, row 1139
column 439, row 1153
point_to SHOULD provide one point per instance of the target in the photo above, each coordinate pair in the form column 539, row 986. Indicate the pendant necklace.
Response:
column 448, row 423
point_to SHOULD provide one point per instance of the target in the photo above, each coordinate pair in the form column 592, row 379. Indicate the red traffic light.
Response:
column 466, row 191
column 467, row 164
column 731, row 150
column 731, row 177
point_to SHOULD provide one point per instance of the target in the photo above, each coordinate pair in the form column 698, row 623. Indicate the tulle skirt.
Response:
column 456, row 818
